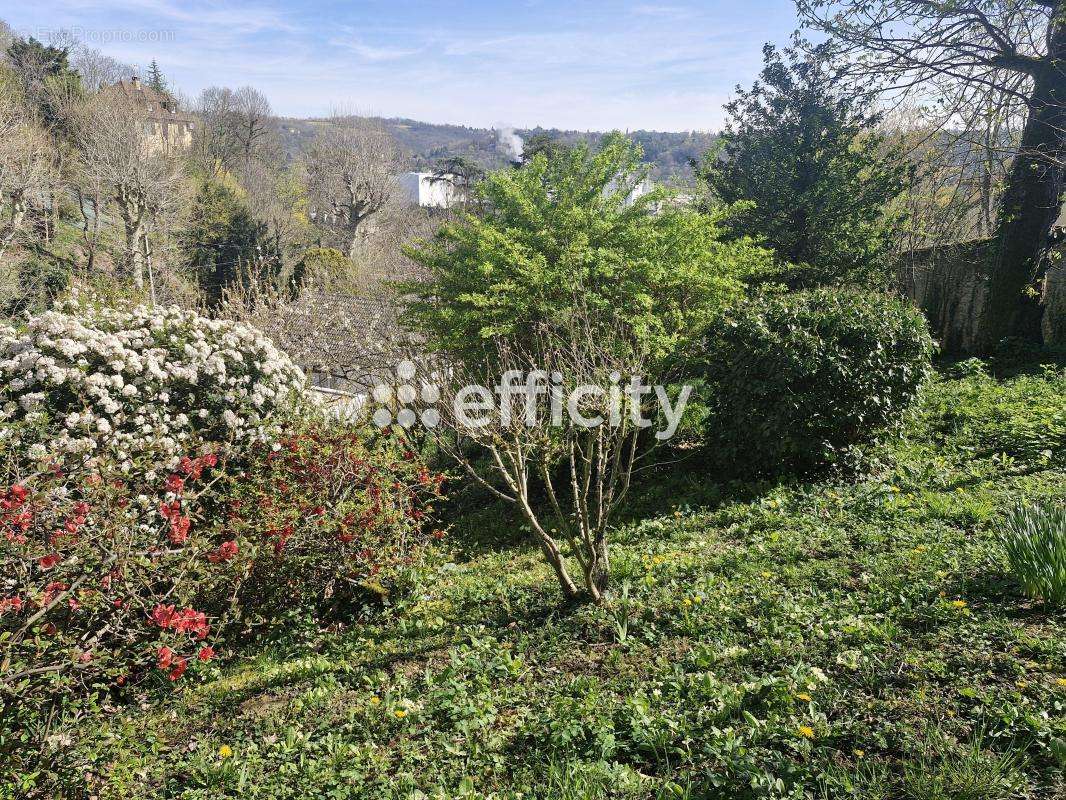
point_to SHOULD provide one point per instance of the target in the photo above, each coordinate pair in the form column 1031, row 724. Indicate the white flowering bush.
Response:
column 137, row 384
column 157, row 493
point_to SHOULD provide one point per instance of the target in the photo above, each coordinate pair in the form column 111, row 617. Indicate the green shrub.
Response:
column 559, row 236
column 1023, row 417
column 1035, row 543
column 794, row 380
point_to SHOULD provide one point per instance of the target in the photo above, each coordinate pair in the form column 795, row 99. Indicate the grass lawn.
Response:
column 838, row 638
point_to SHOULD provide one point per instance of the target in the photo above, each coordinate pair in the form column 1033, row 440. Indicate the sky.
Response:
column 574, row 64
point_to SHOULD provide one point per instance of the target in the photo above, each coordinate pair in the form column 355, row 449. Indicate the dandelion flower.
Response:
column 400, row 713
column 1061, row 682
column 958, row 603
column 225, row 751
column 375, row 701
column 859, row 753
column 806, row 698
column 806, row 731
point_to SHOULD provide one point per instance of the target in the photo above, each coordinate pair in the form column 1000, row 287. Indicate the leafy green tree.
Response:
column 813, row 165
column 47, row 77
column 549, row 146
column 156, row 80
column 561, row 234
column 225, row 243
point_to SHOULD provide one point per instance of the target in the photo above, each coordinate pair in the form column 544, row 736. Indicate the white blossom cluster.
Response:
column 137, row 383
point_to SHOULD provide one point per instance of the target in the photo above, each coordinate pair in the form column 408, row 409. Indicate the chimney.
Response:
column 136, row 82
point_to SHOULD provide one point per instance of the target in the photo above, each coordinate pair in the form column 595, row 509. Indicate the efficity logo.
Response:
column 534, row 397
column 395, row 403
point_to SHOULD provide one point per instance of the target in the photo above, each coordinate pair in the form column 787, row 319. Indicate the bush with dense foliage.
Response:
column 329, row 516
column 1034, row 539
column 144, row 384
column 111, row 584
column 562, row 234
column 812, row 165
column 796, row 379
column 101, row 579
column 162, row 485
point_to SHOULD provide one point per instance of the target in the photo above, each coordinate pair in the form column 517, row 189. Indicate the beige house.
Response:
column 166, row 127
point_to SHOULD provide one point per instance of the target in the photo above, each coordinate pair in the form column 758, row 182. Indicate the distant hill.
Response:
column 425, row 143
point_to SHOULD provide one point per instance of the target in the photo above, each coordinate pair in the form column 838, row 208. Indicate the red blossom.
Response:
column 225, row 552
column 175, row 483
column 163, row 616
column 14, row 603
column 170, row 510
column 164, row 657
column 206, row 653
column 179, row 529
column 179, row 669
column 49, row 561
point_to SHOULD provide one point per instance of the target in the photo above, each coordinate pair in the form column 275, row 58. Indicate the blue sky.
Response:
column 577, row 64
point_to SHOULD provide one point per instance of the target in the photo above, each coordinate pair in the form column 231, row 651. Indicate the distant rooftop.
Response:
column 159, row 106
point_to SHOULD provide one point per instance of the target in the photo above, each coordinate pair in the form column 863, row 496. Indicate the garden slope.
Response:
column 811, row 640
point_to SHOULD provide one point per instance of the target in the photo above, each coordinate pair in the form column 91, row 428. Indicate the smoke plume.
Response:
column 509, row 142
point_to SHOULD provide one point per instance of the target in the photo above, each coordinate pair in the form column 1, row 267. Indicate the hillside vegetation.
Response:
column 833, row 638
column 670, row 154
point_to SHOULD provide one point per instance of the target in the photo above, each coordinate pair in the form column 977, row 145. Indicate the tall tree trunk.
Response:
column 1031, row 202
column 134, row 251
column 18, row 214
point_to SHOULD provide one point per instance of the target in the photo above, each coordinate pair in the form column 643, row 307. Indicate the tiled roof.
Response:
column 364, row 336
column 159, row 106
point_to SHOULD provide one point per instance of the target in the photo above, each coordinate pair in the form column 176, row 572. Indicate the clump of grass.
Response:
column 1035, row 543
column 966, row 773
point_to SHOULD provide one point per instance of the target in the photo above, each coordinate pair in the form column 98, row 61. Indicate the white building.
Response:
column 430, row 190
column 639, row 190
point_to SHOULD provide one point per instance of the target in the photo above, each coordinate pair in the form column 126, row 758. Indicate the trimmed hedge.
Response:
column 796, row 379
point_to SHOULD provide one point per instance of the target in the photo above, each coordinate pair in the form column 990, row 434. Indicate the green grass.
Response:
column 837, row 639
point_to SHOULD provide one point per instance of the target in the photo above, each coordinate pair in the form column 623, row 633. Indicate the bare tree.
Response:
column 238, row 128
column 566, row 460
column 217, row 144
column 350, row 176
column 98, row 71
column 119, row 153
column 253, row 124
column 25, row 163
column 1015, row 49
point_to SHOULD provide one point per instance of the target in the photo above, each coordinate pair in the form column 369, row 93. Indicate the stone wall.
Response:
column 949, row 284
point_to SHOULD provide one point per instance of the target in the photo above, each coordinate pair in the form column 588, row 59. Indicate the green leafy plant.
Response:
column 565, row 232
column 795, row 379
column 811, row 166
column 1034, row 539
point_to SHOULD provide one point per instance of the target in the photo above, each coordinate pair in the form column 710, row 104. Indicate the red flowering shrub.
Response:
column 109, row 582
column 98, row 590
column 326, row 517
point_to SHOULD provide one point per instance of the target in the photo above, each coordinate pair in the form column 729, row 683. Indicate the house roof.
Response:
column 362, row 334
column 159, row 106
